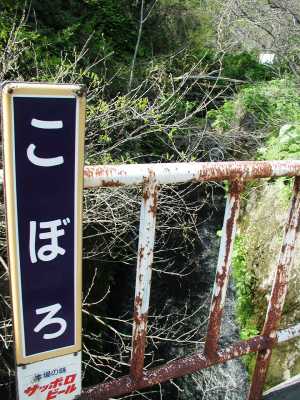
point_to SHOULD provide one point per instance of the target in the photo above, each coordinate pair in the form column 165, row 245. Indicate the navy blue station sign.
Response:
column 43, row 128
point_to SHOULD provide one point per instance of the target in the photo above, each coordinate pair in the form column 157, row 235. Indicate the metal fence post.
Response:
column 143, row 276
column 223, row 268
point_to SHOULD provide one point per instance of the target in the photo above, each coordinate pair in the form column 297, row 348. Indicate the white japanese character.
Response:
column 41, row 124
column 50, row 251
column 40, row 161
column 49, row 320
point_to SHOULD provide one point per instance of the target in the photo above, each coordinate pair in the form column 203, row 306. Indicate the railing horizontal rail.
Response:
column 172, row 173
column 185, row 365
column 168, row 173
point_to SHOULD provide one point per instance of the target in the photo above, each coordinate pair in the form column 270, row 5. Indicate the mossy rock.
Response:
column 262, row 227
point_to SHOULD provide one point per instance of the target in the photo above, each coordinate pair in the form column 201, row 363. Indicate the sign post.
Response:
column 43, row 138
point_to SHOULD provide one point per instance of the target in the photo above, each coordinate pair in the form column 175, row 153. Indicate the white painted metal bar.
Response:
column 172, row 173
column 223, row 268
column 143, row 276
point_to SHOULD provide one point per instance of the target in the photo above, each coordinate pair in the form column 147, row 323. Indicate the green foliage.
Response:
column 65, row 25
column 283, row 116
column 244, row 284
column 244, row 281
column 240, row 66
column 177, row 24
column 284, row 146
column 59, row 29
column 268, row 105
column 245, row 66
column 223, row 117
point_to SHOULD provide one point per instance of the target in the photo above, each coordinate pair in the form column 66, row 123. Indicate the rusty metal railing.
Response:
column 237, row 173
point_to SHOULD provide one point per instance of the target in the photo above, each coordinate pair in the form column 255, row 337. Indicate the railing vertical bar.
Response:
column 279, row 290
column 223, row 268
column 143, row 276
